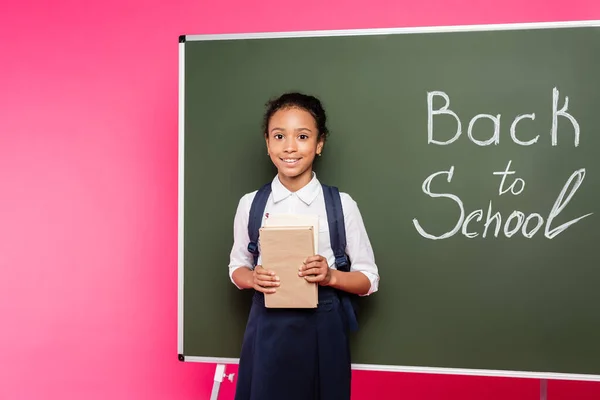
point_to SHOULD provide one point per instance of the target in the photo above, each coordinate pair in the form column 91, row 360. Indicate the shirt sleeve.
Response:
column 240, row 256
column 358, row 246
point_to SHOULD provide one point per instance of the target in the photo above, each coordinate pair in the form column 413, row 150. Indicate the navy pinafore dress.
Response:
column 295, row 354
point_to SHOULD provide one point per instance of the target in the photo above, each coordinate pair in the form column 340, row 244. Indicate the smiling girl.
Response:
column 302, row 354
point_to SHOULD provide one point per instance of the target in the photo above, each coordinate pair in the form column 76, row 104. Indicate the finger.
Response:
column 312, row 264
column 266, row 278
column 264, row 289
column 316, row 257
column 315, row 278
column 262, row 271
column 267, row 283
column 311, row 271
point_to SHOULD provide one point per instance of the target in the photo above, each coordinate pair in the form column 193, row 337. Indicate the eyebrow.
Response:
column 297, row 130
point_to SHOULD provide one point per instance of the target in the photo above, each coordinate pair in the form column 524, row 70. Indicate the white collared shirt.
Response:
column 307, row 201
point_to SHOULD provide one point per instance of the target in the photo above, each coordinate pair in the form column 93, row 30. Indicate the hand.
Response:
column 264, row 280
column 316, row 269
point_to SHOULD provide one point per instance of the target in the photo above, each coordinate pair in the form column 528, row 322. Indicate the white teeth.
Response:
column 290, row 160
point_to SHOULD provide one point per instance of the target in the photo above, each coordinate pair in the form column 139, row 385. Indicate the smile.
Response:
column 290, row 160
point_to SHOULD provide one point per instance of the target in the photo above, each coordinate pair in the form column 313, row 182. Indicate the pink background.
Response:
column 88, row 168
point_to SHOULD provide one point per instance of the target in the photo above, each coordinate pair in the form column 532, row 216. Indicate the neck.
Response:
column 293, row 184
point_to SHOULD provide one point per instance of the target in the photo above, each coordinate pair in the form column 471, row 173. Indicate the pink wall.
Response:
column 88, row 167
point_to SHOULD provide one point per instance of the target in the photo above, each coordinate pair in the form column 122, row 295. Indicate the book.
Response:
column 283, row 249
column 289, row 220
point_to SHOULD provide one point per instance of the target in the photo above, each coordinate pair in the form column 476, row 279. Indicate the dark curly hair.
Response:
column 306, row 102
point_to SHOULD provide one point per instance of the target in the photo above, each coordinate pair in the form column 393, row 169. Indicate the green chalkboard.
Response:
column 423, row 125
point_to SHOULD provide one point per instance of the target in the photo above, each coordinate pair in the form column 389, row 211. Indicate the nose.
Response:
column 290, row 145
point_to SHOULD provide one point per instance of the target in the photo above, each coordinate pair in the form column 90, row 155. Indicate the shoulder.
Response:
column 349, row 205
column 248, row 197
column 244, row 205
column 346, row 199
column 352, row 215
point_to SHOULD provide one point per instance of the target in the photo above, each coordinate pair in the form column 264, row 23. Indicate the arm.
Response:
column 363, row 278
column 359, row 249
column 240, row 259
column 242, row 276
column 353, row 282
column 258, row 279
column 315, row 269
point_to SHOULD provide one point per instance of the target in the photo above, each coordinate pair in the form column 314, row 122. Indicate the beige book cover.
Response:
column 302, row 220
column 283, row 249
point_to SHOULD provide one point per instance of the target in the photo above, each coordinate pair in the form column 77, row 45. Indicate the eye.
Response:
column 303, row 137
column 278, row 136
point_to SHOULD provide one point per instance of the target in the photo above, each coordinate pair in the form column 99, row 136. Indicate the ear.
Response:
column 320, row 145
column 267, row 143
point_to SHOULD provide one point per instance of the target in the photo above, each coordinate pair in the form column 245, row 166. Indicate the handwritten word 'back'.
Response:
column 495, row 138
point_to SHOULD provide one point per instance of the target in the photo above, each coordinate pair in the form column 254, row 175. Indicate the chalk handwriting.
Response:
column 426, row 189
column 561, row 203
column 513, row 130
column 521, row 223
column 562, row 112
column 513, row 185
column 495, row 136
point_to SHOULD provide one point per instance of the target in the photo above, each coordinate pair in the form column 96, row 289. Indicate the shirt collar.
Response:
column 307, row 194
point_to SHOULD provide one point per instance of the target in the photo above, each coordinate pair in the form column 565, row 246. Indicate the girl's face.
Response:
column 292, row 143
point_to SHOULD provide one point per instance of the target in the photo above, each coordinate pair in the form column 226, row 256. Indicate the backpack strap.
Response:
column 337, row 227
column 337, row 236
column 255, row 218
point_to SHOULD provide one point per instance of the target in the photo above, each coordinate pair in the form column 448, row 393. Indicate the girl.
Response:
column 302, row 354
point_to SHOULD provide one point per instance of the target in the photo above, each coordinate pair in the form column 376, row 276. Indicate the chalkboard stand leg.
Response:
column 544, row 389
column 219, row 375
